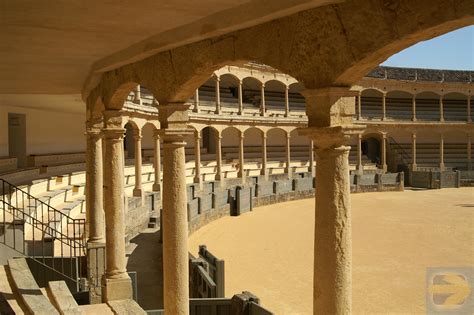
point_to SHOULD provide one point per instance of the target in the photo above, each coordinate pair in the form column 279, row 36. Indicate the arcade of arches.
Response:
column 293, row 94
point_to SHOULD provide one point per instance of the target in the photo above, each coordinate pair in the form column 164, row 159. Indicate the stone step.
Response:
column 26, row 286
column 96, row 309
column 62, row 298
column 10, row 302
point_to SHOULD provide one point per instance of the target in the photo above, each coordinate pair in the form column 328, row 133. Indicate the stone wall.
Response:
column 138, row 213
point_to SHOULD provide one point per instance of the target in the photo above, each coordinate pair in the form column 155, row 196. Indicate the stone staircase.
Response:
column 20, row 294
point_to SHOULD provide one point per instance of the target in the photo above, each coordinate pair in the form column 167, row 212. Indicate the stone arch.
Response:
column 229, row 90
column 276, row 142
column 300, row 147
column 330, row 41
column 253, row 149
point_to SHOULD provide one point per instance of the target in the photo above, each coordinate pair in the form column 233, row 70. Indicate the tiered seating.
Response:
column 427, row 109
column 398, row 108
column 455, row 155
column 20, row 294
column 455, row 110
column 427, row 154
column 366, row 162
column 371, row 107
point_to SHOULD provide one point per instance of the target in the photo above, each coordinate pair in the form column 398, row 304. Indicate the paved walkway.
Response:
column 396, row 236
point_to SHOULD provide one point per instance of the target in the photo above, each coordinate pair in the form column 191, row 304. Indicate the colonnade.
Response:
column 332, row 265
column 383, row 137
column 241, row 109
column 413, row 107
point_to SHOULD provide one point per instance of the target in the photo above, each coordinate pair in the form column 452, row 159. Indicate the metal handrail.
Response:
column 49, row 222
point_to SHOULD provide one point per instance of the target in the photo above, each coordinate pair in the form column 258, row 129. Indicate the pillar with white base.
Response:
column 173, row 121
column 138, row 190
column 117, row 283
column 157, row 161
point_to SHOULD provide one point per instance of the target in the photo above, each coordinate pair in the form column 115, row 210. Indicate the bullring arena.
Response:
column 212, row 172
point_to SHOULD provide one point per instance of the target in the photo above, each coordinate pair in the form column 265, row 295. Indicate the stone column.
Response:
column 288, row 155
column 95, row 214
column 94, row 186
column 117, row 283
column 138, row 191
column 196, row 101
column 157, row 161
column 360, row 166
column 137, row 95
column 311, row 157
column 174, row 119
column 384, row 152
column 469, row 119
column 413, row 108
column 441, row 152
column 197, row 157
column 413, row 152
column 241, row 172
column 359, row 106
column 287, row 101
column 218, row 95
column 330, row 113
column 241, row 102
column 262, row 100
column 264, row 170
column 441, row 109
column 384, row 106
column 469, row 152
column 219, row 158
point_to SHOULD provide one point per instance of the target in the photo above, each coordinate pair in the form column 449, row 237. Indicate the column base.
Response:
column 116, row 289
column 137, row 192
column 414, row 167
column 156, row 187
column 95, row 270
column 442, row 167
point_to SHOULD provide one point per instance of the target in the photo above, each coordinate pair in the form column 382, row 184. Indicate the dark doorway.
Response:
column 17, row 137
column 371, row 148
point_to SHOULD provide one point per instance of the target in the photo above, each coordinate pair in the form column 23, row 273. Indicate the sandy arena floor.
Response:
column 396, row 236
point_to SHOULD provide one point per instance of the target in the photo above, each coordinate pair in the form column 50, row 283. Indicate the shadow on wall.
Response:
column 146, row 258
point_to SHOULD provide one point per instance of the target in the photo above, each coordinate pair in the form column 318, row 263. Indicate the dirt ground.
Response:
column 396, row 236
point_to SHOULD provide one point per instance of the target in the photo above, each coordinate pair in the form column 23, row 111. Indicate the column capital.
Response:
column 156, row 134
column 242, row 135
column 174, row 115
column 331, row 137
column 137, row 134
column 174, row 135
column 217, row 77
column 264, row 135
column 330, row 106
column 114, row 133
column 93, row 133
column 218, row 136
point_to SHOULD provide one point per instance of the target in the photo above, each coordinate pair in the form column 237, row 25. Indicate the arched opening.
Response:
column 371, row 148
column 251, row 95
column 427, row 106
column 275, row 97
column 300, row 152
column 398, row 105
column 455, row 107
column 208, row 153
column 253, row 146
column 296, row 100
column 207, row 96
column 276, row 145
column 229, row 93
column 129, row 142
column 230, row 152
column 371, row 104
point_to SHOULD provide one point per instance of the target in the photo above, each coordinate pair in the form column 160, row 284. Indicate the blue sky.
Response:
column 453, row 51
